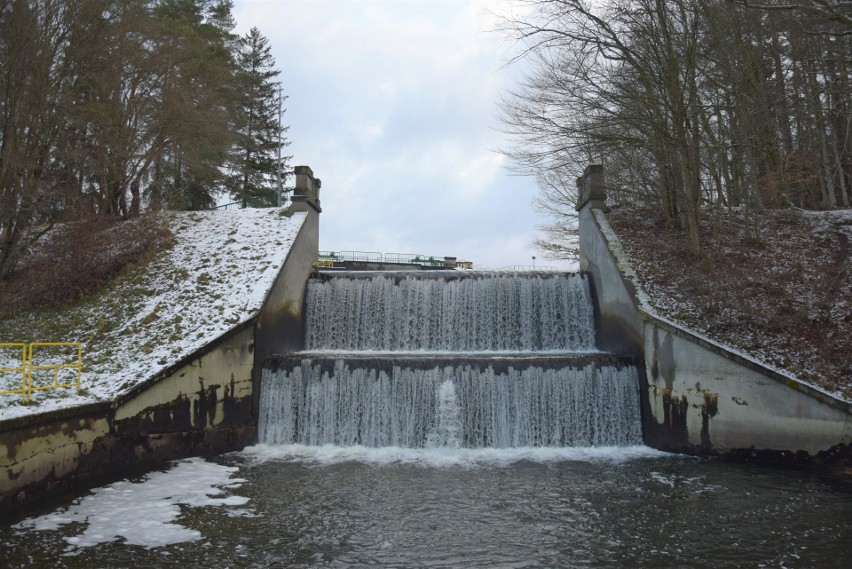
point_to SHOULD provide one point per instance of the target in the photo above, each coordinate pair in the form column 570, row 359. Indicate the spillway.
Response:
column 448, row 311
column 450, row 359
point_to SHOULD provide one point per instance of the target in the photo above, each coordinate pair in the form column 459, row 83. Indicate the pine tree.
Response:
column 254, row 173
column 198, row 102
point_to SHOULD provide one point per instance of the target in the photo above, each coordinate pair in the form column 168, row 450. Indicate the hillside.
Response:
column 782, row 296
column 213, row 276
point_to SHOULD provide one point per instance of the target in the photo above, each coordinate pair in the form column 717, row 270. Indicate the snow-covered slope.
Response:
column 215, row 277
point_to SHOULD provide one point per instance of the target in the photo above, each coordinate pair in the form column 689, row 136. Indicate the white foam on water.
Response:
column 445, row 457
column 143, row 513
column 447, row 430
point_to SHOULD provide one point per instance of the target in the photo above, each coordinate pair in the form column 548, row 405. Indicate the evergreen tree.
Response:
column 199, row 99
column 254, row 174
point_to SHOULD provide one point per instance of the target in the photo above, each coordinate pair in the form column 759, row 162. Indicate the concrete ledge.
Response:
column 418, row 360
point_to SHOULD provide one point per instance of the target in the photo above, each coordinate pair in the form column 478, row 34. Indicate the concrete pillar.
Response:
column 591, row 188
column 306, row 192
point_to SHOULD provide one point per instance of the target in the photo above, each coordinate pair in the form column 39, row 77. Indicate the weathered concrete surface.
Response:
column 619, row 324
column 36, row 457
column 202, row 405
column 280, row 326
column 211, row 390
column 700, row 397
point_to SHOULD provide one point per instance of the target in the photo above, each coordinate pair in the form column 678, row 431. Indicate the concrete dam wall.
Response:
column 204, row 404
column 454, row 359
column 698, row 396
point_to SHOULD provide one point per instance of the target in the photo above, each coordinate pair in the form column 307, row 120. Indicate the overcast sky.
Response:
column 393, row 104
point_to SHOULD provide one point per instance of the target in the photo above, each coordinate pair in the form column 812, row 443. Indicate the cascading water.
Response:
column 449, row 360
column 447, row 312
column 447, row 418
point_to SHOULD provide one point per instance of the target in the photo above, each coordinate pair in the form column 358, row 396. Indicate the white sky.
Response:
column 393, row 104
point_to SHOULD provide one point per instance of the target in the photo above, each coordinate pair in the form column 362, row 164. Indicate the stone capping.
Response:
column 443, row 359
column 650, row 316
column 62, row 413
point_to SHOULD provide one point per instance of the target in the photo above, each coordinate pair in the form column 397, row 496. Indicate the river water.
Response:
column 294, row 506
column 481, row 459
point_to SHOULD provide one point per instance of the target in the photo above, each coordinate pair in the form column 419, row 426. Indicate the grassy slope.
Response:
column 214, row 274
column 784, row 295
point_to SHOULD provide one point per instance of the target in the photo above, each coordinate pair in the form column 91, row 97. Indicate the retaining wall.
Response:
column 698, row 396
column 202, row 405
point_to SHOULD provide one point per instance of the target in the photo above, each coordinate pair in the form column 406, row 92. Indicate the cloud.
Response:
column 393, row 105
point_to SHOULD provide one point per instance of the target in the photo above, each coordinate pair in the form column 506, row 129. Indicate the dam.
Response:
column 396, row 427
column 507, row 359
column 382, row 444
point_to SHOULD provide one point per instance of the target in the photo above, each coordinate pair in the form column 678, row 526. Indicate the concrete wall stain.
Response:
column 708, row 410
column 765, row 421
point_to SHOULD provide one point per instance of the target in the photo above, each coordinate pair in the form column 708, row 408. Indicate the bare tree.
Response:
column 692, row 102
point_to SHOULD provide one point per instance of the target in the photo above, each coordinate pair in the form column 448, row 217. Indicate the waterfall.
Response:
column 447, row 415
column 445, row 312
column 452, row 360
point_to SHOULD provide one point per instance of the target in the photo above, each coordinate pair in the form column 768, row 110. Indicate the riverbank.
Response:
column 214, row 277
column 781, row 295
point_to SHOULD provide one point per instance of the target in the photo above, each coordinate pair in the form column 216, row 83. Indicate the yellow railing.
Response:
column 27, row 369
column 22, row 370
column 78, row 365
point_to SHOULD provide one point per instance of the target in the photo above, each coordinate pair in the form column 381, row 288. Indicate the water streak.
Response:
column 592, row 405
column 447, row 421
column 487, row 312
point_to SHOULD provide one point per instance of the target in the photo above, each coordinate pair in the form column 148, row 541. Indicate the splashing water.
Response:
column 408, row 360
column 448, row 425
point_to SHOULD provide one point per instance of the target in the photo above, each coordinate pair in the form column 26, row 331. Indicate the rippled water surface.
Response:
column 337, row 507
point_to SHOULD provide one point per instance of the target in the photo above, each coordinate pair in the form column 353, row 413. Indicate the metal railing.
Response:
column 326, row 257
column 22, row 370
column 525, row 268
column 30, row 371
column 269, row 201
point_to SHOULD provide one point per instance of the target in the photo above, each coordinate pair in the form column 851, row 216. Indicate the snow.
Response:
column 214, row 278
column 144, row 513
column 663, row 302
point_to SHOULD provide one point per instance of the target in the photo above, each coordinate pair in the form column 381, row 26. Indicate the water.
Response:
column 354, row 507
column 393, row 357
column 376, row 403
column 447, row 430
column 449, row 311
column 448, row 459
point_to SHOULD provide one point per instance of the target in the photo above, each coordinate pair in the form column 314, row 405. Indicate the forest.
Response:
column 696, row 107
column 112, row 108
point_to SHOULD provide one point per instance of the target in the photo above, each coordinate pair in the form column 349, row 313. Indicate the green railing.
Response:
column 326, row 257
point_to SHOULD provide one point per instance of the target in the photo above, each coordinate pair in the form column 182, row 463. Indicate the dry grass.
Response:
column 77, row 259
column 783, row 295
